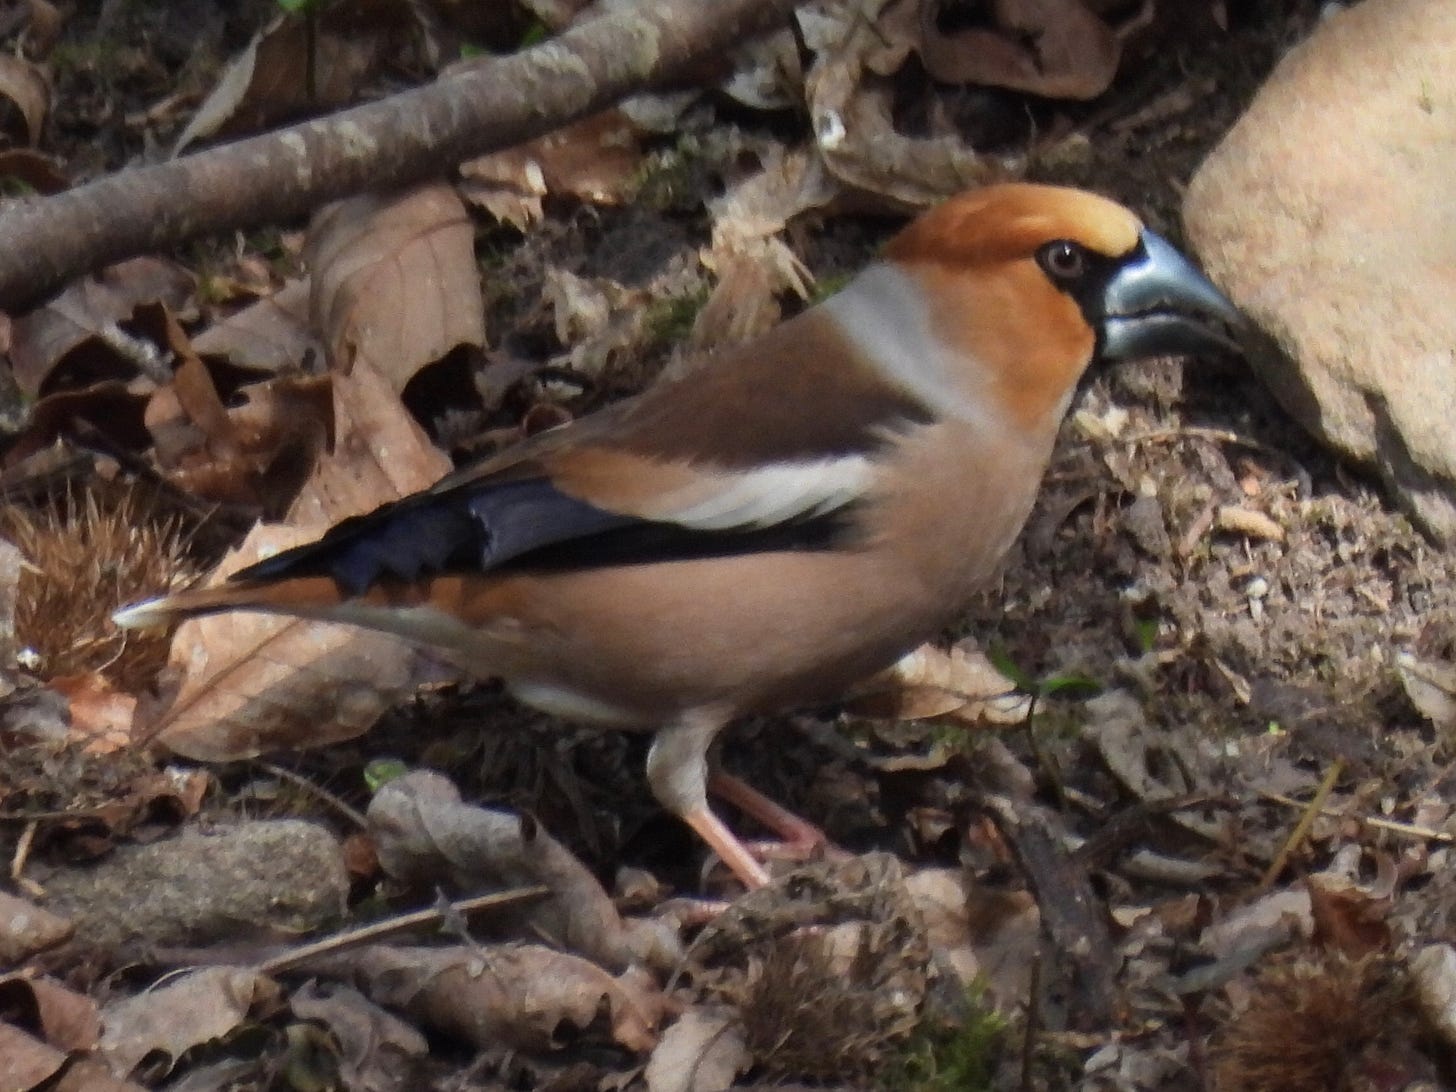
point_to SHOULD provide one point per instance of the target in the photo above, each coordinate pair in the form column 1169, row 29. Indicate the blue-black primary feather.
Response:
column 515, row 524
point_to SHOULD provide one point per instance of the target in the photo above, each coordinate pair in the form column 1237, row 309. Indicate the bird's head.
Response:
column 1035, row 282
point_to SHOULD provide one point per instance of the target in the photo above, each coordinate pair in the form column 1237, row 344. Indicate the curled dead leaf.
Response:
column 75, row 339
column 295, row 65
column 597, row 159
column 526, row 996
column 369, row 1038
column 851, row 109
column 29, row 1063
column 268, row 335
column 703, row 1051
column 250, row 683
column 27, row 90
column 101, row 715
column 1349, row 918
column 395, row 281
column 199, row 1007
column 933, row 682
column 26, row 929
column 40, row 172
column 1054, row 48
column 425, row 833
column 65, row 1019
column 1431, row 687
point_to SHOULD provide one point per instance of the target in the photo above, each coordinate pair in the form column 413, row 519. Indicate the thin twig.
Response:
column 379, row 930
column 22, row 855
column 354, row 815
column 1409, row 830
column 1301, row 829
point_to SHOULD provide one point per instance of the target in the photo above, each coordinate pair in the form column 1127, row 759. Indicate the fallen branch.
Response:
column 397, row 141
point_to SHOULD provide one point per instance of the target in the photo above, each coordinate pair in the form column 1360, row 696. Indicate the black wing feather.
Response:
column 519, row 524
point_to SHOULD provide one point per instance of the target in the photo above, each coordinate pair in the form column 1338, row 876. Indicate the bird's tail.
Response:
column 301, row 596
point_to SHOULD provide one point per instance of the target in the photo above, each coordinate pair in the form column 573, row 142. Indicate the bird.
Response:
column 765, row 529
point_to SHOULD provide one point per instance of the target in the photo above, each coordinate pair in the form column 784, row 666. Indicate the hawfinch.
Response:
column 781, row 523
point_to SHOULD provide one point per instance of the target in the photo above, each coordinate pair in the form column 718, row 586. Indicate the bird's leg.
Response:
column 801, row 838
column 677, row 770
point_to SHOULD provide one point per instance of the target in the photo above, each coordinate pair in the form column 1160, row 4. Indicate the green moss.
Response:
column 671, row 179
column 92, row 56
column 960, row 1057
column 825, row 287
column 670, row 320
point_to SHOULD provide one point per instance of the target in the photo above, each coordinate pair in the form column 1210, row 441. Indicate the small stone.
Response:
column 195, row 889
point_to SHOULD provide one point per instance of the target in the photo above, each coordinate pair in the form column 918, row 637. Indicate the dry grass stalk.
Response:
column 808, row 1015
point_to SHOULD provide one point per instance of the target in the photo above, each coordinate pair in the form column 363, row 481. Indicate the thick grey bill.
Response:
column 1159, row 303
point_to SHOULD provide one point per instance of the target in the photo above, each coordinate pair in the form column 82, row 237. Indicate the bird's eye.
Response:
column 1063, row 260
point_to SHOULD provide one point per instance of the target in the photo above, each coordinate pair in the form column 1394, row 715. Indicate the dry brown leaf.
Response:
column 114, row 409
column 395, row 281
column 38, row 171
column 44, row 29
column 269, row 81
column 88, row 1075
column 369, row 1039
column 425, row 833
column 753, row 266
column 257, row 453
column 279, row 428
column 29, row 1063
column 26, row 929
column 597, row 318
column 192, row 398
column 934, row 682
column 1433, row 973
column 851, row 111
column 1054, row 48
column 767, row 74
column 65, row 1019
column 75, row 339
column 703, row 1051
column 1349, row 918
column 197, row 1008
column 943, row 897
column 252, row 683
column 525, row 996
column 596, row 159
column 557, row 15
column 101, row 715
column 25, row 87
column 269, row 335
column 1431, row 687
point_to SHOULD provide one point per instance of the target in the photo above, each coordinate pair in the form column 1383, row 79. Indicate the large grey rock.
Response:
column 1329, row 214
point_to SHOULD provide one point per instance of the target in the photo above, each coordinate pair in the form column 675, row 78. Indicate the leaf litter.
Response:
column 1232, row 865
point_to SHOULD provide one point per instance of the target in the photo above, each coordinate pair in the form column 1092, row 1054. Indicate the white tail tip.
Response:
column 148, row 614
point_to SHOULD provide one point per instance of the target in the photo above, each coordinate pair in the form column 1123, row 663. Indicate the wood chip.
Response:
column 1249, row 522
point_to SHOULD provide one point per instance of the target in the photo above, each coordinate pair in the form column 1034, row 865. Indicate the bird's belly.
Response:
column 560, row 700
column 725, row 634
